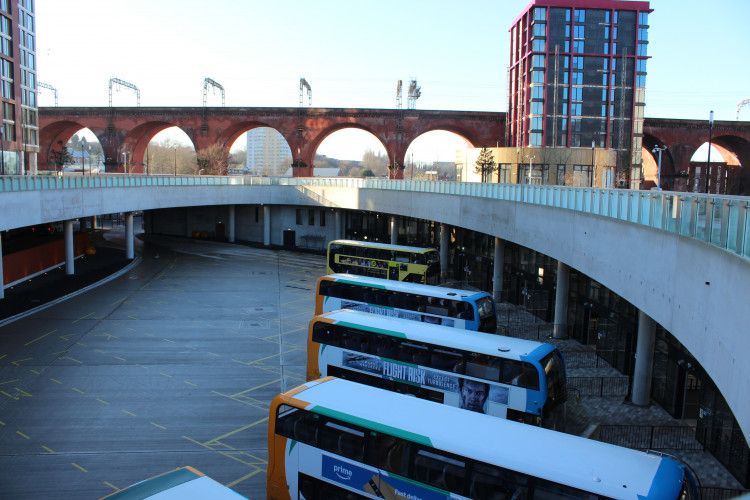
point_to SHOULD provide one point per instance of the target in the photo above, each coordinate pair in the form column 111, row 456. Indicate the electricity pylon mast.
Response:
column 740, row 105
column 49, row 87
column 209, row 82
column 414, row 94
column 398, row 94
column 121, row 83
column 304, row 85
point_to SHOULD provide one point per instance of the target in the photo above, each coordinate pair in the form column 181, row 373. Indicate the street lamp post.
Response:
column 708, row 159
column 530, row 157
column 83, row 161
column 658, row 149
column 125, row 161
column 175, row 160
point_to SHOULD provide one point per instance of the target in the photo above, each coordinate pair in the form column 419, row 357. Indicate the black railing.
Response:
column 599, row 386
column 710, row 493
column 650, row 437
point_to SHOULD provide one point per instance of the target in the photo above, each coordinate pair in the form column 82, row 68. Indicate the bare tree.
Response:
column 211, row 161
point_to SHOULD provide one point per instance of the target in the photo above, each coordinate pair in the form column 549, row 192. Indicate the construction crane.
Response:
column 414, row 94
column 48, row 87
column 398, row 95
column 741, row 105
column 304, row 85
column 209, row 82
column 121, row 83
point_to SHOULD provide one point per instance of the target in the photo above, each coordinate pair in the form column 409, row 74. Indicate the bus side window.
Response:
column 465, row 311
column 306, row 428
column 412, row 352
column 388, row 453
column 325, row 333
column 355, row 341
column 483, row 366
column 386, row 346
column 511, row 372
column 448, row 361
column 434, row 468
column 529, row 377
column 487, row 481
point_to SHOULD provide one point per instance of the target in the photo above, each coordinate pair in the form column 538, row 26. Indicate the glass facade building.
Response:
column 18, row 88
column 577, row 78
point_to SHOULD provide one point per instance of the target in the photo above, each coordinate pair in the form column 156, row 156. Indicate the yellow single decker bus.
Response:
column 382, row 260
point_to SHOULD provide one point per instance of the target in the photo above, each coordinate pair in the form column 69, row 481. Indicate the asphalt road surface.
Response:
column 173, row 363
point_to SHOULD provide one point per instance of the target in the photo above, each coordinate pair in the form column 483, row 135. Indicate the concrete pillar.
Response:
column 231, row 223
column 561, row 300
column 444, row 244
column 129, row 236
column 394, row 230
column 2, row 278
column 69, row 249
column 497, row 265
column 266, row 225
column 644, row 360
column 94, row 224
column 337, row 225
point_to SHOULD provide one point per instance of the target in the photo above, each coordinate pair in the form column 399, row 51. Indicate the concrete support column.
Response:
column 561, row 300
column 69, row 249
column 445, row 239
column 497, row 265
column 129, row 236
column 394, row 230
column 644, row 360
column 231, row 223
column 266, row 225
column 338, row 225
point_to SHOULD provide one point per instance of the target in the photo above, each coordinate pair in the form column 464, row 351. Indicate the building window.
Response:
column 577, row 78
column 540, row 29
column 505, row 172
column 537, row 108
column 257, row 214
column 643, row 18
column 578, row 46
column 299, row 216
column 643, row 34
column 322, row 218
column 580, row 15
column 582, row 176
column 643, row 49
column 578, row 62
column 536, row 139
column 560, row 175
column 579, row 31
column 537, row 92
column 311, row 217
column 577, row 93
column 575, row 109
column 538, row 61
column 536, row 123
column 641, row 65
column 640, row 80
column 540, row 14
column 538, row 76
column 539, row 45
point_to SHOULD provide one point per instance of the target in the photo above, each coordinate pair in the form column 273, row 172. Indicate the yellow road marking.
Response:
column 39, row 338
column 130, row 413
column 165, row 374
column 213, row 353
column 49, row 450
column 72, row 359
column 107, row 336
column 102, row 401
column 2, row 423
column 231, row 433
column 159, row 426
column 22, row 434
column 9, row 381
column 190, row 383
column 20, row 360
column 83, row 317
column 82, row 345
column 121, row 359
column 56, row 381
column 236, row 482
column 78, row 466
column 78, row 390
column 118, row 300
column 170, row 341
column 191, row 347
column 112, row 486
column 35, row 372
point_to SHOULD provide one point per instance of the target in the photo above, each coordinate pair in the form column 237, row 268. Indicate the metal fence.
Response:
column 598, row 386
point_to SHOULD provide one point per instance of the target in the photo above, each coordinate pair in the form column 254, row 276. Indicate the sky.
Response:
column 353, row 52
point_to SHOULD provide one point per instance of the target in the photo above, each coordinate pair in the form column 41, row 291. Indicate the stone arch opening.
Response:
column 258, row 150
column 432, row 154
column 351, row 151
column 162, row 149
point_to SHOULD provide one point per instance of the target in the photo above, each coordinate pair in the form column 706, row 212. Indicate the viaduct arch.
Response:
column 129, row 130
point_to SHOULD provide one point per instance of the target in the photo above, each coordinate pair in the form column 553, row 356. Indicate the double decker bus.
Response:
column 333, row 439
column 510, row 378
column 469, row 310
column 381, row 260
column 183, row 483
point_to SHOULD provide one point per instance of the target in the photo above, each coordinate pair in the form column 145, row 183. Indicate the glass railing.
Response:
column 721, row 221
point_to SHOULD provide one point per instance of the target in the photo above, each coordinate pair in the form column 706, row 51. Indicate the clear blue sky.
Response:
column 353, row 53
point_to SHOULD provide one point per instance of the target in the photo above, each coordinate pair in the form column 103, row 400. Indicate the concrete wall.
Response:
column 696, row 291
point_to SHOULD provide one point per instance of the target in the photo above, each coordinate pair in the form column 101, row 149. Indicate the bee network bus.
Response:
column 381, row 260
column 510, row 378
column 333, row 439
column 465, row 309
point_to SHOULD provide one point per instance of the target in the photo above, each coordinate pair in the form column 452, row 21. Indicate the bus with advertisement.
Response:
column 465, row 309
column 517, row 379
column 333, row 439
column 382, row 260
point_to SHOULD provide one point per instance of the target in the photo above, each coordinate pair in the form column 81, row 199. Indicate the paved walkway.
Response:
column 174, row 363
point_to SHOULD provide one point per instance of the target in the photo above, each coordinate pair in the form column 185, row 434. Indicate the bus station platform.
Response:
column 173, row 360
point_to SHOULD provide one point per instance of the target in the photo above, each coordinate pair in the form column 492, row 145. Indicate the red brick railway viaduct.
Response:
column 131, row 129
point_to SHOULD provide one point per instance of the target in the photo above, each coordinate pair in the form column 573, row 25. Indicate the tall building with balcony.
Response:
column 267, row 152
column 577, row 76
column 18, row 86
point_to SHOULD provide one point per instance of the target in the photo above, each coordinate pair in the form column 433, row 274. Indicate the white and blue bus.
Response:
column 470, row 310
column 184, row 483
column 333, row 439
column 511, row 378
